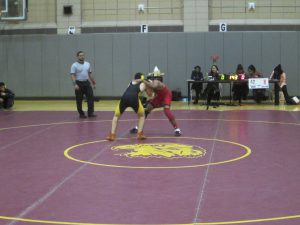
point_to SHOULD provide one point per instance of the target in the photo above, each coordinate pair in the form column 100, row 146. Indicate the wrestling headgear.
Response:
column 155, row 75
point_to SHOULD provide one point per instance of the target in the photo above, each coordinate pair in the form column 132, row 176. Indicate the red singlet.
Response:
column 162, row 97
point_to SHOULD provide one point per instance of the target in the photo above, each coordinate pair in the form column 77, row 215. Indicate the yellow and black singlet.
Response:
column 130, row 98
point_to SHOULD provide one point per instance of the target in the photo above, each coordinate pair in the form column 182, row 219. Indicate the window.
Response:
column 13, row 9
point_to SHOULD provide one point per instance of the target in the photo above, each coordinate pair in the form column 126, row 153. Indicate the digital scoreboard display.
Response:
column 231, row 76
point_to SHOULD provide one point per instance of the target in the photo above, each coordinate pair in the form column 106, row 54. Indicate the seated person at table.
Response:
column 240, row 90
column 6, row 97
column 197, row 75
column 212, row 90
column 258, row 94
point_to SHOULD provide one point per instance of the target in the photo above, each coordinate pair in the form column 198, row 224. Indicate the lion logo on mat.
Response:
column 159, row 150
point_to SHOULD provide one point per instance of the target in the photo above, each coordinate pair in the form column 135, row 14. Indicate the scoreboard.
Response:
column 232, row 76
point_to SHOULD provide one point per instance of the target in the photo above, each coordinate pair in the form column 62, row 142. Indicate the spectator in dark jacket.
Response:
column 6, row 97
column 240, row 89
column 212, row 90
column 197, row 75
column 258, row 94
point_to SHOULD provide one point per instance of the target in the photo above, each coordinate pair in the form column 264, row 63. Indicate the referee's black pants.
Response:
column 86, row 89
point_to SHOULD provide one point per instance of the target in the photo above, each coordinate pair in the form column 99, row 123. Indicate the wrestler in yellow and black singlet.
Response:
column 130, row 98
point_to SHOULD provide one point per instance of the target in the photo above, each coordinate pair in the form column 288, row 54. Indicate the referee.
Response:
column 84, row 83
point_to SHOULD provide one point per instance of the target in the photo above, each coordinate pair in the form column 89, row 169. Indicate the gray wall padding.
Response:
column 39, row 65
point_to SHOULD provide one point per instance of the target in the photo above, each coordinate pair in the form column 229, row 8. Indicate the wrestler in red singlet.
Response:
column 163, row 98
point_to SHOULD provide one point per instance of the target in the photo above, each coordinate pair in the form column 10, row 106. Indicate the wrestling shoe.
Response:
column 177, row 132
column 141, row 136
column 134, row 130
column 110, row 137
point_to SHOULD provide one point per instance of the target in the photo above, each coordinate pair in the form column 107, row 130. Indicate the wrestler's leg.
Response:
column 172, row 120
column 141, row 121
column 170, row 116
column 147, row 111
column 118, row 112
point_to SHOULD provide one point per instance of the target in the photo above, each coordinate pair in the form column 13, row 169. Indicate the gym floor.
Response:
column 232, row 165
column 109, row 105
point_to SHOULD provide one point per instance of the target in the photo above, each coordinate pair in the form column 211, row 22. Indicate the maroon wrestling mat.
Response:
column 233, row 167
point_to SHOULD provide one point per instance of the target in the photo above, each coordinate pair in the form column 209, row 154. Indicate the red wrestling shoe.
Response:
column 141, row 136
column 111, row 137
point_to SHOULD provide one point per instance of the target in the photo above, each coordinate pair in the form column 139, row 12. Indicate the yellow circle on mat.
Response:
column 246, row 149
column 248, row 152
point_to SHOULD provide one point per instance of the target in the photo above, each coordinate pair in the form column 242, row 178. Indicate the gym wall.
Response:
column 39, row 65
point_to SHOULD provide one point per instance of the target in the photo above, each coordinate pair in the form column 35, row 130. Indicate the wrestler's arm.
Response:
column 153, row 85
column 142, row 87
column 149, row 91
